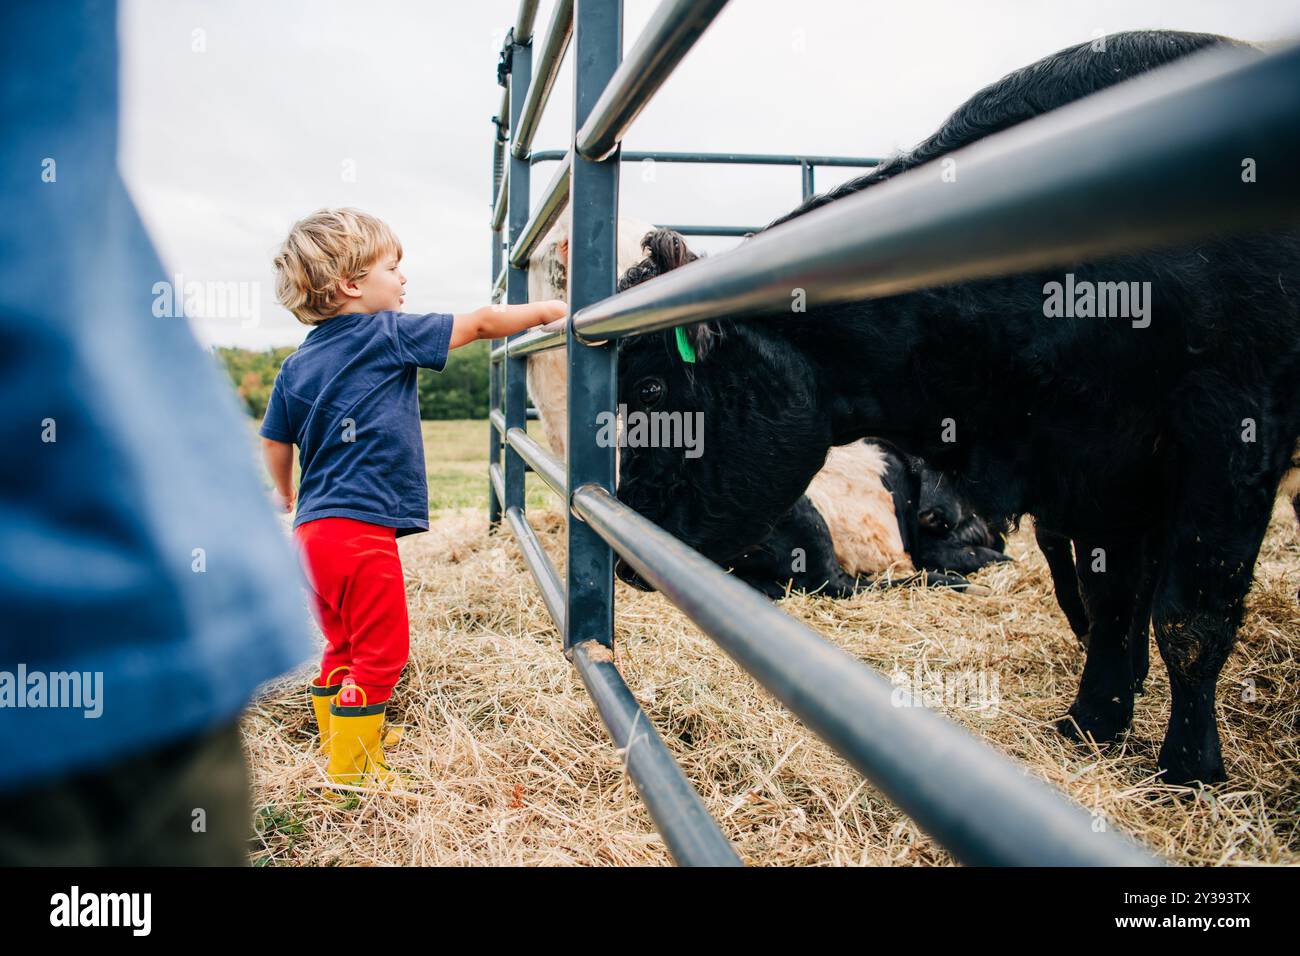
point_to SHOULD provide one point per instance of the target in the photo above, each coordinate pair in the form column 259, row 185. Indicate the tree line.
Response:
column 458, row 391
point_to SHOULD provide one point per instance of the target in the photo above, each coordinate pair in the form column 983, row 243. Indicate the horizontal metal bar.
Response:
column 554, row 199
column 976, row 802
column 1122, row 170
column 693, row 837
column 545, row 71
column 539, row 563
column 502, row 202
column 667, row 38
column 497, row 420
column 498, row 480
column 550, row 468
column 524, row 20
column 530, row 414
column 548, row 336
column 738, row 159
column 713, row 230
column 497, row 354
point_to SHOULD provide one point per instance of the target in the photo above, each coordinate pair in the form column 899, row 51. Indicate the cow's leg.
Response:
column 944, row 554
column 924, row 578
column 1140, row 631
column 1108, row 575
column 1197, row 608
column 1224, row 502
column 832, row 583
column 798, row 553
column 1060, row 562
column 1295, row 503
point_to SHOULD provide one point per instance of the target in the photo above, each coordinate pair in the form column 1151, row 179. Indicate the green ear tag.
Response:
column 684, row 346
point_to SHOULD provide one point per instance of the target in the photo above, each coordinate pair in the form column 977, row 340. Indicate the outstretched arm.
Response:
column 278, row 457
column 498, row 321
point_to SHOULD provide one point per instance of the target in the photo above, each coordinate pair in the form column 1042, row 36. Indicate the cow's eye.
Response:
column 649, row 392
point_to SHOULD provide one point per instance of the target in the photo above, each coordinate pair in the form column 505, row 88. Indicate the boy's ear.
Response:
column 348, row 289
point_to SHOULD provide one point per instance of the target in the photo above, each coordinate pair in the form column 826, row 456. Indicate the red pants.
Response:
column 360, row 601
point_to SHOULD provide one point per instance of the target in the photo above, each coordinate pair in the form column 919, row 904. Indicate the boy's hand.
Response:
column 284, row 503
column 499, row 321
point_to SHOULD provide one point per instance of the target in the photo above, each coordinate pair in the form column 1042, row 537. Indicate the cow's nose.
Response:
column 932, row 520
column 627, row 574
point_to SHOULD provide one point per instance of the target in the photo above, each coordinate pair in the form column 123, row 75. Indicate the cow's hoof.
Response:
column 1103, row 724
column 1187, row 768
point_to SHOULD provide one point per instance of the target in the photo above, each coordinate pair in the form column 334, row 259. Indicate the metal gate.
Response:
column 1137, row 157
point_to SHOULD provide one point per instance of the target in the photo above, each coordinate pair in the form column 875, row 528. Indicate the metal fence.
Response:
column 1134, row 153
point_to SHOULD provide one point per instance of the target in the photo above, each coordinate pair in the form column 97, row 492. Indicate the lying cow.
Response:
column 1126, row 441
column 859, row 525
column 870, row 515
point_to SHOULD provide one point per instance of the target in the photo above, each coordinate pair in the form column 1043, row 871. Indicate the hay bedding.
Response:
column 506, row 761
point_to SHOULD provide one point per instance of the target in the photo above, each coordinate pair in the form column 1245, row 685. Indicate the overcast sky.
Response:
column 241, row 116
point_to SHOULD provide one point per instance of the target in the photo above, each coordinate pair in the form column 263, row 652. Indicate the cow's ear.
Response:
column 667, row 250
column 704, row 338
column 562, row 249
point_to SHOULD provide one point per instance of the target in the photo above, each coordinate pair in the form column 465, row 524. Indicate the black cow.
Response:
column 944, row 539
column 1127, row 441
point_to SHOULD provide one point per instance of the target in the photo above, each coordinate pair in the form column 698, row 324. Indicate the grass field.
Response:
column 455, row 455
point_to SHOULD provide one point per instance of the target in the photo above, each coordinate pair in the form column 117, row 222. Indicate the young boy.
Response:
column 347, row 399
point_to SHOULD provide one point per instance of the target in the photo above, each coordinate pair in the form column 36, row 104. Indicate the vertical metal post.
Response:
column 494, row 375
column 593, row 198
column 515, row 370
column 806, row 170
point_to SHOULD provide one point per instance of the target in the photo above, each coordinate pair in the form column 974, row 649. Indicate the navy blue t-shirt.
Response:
column 347, row 398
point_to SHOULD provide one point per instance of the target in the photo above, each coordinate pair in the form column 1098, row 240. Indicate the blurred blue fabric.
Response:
column 152, row 460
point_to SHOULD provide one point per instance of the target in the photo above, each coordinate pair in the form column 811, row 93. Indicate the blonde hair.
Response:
column 322, row 250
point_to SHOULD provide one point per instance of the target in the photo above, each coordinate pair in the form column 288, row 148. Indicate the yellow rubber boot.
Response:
column 322, row 695
column 356, row 746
